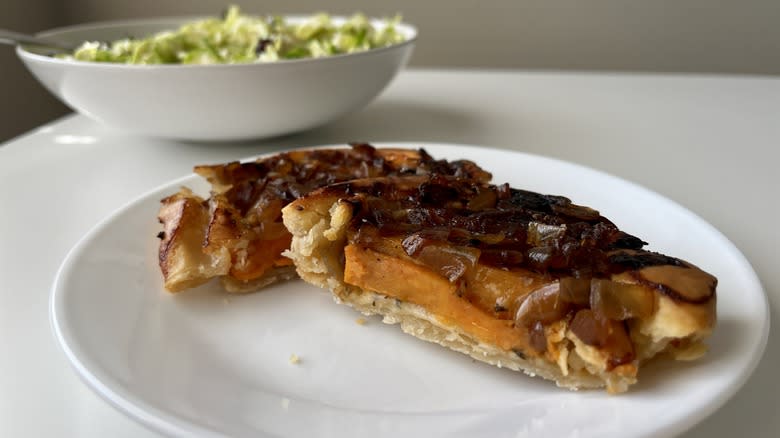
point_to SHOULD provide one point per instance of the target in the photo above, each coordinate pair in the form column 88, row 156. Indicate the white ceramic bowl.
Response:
column 214, row 102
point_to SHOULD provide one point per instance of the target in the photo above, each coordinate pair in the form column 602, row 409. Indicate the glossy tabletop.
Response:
column 709, row 143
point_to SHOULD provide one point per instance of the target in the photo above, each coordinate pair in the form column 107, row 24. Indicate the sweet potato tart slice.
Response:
column 510, row 277
column 237, row 233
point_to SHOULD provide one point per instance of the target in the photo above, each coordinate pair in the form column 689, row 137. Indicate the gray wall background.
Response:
column 703, row 36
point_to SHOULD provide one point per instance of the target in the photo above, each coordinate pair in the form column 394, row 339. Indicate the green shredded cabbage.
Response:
column 238, row 38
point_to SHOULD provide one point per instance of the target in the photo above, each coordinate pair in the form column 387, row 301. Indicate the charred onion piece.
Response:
column 620, row 301
column 606, row 334
column 485, row 198
column 544, row 234
column 681, row 282
column 452, row 262
column 543, row 305
column 575, row 290
column 415, row 242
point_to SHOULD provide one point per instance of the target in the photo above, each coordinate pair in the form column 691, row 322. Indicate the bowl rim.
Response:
column 409, row 29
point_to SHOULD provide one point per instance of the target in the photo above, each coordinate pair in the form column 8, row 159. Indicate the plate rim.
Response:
column 172, row 424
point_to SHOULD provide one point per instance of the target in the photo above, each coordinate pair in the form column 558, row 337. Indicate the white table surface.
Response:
column 710, row 143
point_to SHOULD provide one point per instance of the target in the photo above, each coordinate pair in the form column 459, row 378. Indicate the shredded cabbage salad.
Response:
column 239, row 38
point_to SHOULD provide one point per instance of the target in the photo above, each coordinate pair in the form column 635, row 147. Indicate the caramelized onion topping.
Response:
column 608, row 335
column 575, row 290
column 247, row 198
column 679, row 282
column 620, row 301
column 511, row 228
column 290, row 175
column 452, row 262
column 542, row 306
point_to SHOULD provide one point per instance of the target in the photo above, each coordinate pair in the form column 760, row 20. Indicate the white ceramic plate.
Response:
column 206, row 363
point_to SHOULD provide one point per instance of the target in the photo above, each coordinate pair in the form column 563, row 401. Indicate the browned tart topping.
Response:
column 476, row 236
column 244, row 210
